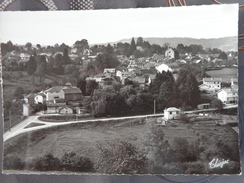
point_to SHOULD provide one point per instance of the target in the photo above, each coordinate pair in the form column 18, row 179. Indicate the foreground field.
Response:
column 83, row 139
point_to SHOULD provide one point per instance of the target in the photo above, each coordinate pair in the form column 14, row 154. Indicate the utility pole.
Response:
column 154, row 106
column 10, row 120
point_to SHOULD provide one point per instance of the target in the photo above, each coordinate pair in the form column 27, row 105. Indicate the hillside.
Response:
column 225, row 44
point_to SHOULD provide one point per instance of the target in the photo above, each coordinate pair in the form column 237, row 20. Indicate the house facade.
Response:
column 212, row 83
column 172, row 113
column 228, row 96
column 170, row 53
column 40, row 98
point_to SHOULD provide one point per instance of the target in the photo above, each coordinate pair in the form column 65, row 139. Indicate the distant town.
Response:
column 186, row 84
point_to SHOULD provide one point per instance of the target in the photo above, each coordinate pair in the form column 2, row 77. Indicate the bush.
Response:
column 120, row 157
column 72, row 162
column 46, row 163
column 14, row 162
column 184, row 151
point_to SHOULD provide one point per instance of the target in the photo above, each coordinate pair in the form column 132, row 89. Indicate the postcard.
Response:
column 126, row 91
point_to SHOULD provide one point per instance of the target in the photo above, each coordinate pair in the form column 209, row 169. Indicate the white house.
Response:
column 172, row 113
column 54, row 93
column 234, row 83
column 212, row 83
column 40, row 98
column 163, row 67
column 228, row 96
column 170, row 53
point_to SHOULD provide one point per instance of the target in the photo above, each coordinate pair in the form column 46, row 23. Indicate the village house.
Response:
column 141, row 81
column 29, row 99
column 163, row 67
column 66, row 110
column 234, row 83
column 203, row 106
column 211, row 84
column 54, row 107
column 172, row 113
column 228, row 96
column 169, row 53
column 40, row 98
column 111, row 71
column 53, row 93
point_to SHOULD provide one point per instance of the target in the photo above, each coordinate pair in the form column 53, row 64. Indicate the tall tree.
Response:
column 31, row 66
column 66, row 59
column 139, row 41
column 188, row 86
column 132, row 46
column 81, row 45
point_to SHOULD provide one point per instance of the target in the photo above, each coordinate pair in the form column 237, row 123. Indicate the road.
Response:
column 20, row 128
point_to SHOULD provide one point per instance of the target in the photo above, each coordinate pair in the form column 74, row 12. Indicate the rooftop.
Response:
column 212, row 79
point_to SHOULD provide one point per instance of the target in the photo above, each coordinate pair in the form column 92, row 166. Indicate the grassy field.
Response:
column 226, row 74
column 9, row 85
column 83, row 138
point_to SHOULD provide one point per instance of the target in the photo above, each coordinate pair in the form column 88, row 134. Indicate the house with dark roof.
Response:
column 141, row 80
column 72, row 93
column 211, row 84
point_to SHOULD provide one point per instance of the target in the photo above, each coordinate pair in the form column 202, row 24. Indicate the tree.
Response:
column 91, row 85
column 186, row 83
column 158, row 150
column 66, row 59
column 81, row 46
column 216, row 103
column 69, row 69
column 18, row 93
column 223, row 56
column 28, row 45
column 138, row 54
column 41, row 71
column 120, row 157
column 139, row 41
column 81, row 83
column 132, row 47
column 31, row 66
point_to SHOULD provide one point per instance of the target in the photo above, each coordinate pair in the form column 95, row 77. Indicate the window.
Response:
column 170, row 112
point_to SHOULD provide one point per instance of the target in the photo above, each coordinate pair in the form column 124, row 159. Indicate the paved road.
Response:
column 20, row 128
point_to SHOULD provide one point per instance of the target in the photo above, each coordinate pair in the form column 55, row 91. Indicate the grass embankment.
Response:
column 82, row 138
column 15, row 119
column 65, row 118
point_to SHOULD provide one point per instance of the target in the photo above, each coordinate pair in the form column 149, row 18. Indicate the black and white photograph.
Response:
column 127, row 91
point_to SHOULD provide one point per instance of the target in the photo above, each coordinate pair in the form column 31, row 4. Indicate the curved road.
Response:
column 20, row 128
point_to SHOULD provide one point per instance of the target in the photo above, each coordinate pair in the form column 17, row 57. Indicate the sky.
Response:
column 102, row 26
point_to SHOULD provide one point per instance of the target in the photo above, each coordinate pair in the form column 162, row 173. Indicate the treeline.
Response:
column 119, row 100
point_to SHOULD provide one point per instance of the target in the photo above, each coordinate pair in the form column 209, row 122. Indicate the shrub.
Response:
column 46, row 163
column 13, row 161
column 120, row 157
column 72, row 162
column 184, row 151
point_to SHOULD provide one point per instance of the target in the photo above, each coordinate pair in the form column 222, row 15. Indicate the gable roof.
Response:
column 72, row 91
column 54, row 89
column 212, row 79
column 172, row 109
column 140, row 80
